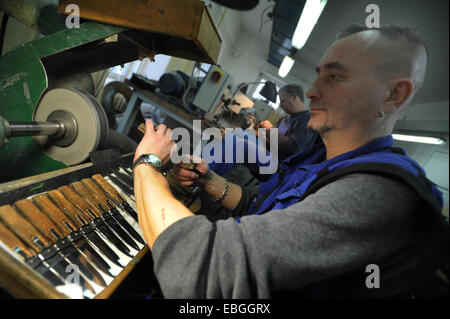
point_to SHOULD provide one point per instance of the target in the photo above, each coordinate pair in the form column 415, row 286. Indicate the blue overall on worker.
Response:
column 292, row 180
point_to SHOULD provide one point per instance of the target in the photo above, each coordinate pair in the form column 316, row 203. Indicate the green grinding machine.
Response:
column 49, row 118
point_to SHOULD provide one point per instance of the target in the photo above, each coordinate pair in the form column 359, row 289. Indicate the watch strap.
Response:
column 142, row 160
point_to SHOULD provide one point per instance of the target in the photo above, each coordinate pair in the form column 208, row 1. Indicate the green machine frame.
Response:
column 25, row 75
column 32, row 69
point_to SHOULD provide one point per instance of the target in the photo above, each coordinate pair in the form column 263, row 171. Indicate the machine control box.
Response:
column 215, row 88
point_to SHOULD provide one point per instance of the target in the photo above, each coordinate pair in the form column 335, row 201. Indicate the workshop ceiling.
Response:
column 429, row 17
column 286, row 14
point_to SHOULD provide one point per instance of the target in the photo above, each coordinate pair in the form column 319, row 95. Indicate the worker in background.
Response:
column 293, row 133
column 350, row 204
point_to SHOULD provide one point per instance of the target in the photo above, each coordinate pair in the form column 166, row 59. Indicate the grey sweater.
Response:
column 346, row 225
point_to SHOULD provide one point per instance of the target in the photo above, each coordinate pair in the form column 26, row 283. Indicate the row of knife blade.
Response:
column 79, row 235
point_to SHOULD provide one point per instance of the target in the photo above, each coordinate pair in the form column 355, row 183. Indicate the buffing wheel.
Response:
column 91, row 124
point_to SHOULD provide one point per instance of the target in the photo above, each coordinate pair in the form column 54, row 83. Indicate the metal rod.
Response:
column 33, row 128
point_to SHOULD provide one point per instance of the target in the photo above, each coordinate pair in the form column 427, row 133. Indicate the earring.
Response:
column 380, row 114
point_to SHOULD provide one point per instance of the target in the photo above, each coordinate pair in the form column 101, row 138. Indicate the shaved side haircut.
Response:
column 399, row 52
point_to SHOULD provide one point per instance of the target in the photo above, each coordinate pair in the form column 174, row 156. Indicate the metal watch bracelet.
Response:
column 160, row 170
column 224, row 194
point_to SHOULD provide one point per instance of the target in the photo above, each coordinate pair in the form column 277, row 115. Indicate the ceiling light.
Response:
column 419, row 139
column 285, row 66
column 308, row 19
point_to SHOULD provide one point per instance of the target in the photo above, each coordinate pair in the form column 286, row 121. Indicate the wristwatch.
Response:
column 149, row 159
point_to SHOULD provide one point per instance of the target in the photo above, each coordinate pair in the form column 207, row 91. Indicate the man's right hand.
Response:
column 192, row 174
column 266, row 124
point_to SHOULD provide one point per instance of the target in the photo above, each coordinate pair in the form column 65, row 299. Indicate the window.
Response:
column 147, row 68
column 202, row 70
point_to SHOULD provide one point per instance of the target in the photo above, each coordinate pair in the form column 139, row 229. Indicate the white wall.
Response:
column 431, row 116
column 246, row 59
column 434, row 159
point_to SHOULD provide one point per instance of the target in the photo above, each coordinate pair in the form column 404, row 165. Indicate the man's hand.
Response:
column 266, row 124
column 189, row 174
column 156, row 206
column 157, row 142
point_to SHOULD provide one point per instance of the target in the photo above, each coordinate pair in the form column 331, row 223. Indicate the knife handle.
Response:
column 79, row 202
column 42, row 222
column 56, row 215
column 23, row 229
column 108, row 188
column 88, row 196
column 67, row 207
column 14, row 243
column 92, row 186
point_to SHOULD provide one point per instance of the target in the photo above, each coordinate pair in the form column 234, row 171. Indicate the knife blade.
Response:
column 126, row 170
column 88, row 231
column 61, row 240
column 112, row 223
column 28, row 256
column 125, row 188
column 45, row 270
column 70, row 253
column 80, row 210
column 97, row 222
column 45, row 247
column 123, row 177
column 115, row 262
column 115, row 196
column 69, row 227
column 108, row 204
column 54, row 258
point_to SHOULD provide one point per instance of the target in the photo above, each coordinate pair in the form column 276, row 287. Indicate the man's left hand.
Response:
column 155, row 141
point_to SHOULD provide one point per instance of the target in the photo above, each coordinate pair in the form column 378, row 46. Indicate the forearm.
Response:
column 215, row 186
column 157, row 207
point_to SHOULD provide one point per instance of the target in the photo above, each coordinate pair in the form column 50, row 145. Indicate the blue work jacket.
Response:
column 298, row 172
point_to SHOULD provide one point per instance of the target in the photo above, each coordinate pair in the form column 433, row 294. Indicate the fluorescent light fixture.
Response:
column 419, row 139
column 308, row 19
column 285, row 66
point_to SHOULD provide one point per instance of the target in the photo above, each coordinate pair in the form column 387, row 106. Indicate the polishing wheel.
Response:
column 83, row 121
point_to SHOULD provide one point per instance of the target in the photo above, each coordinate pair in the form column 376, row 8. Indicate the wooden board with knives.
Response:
column 75, row 235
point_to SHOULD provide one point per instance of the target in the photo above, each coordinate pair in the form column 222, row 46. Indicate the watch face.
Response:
column 154, row 160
